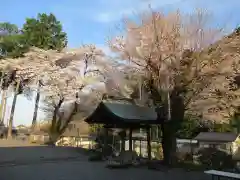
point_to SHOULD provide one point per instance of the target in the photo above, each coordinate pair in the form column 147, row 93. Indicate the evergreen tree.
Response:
column 45, row 32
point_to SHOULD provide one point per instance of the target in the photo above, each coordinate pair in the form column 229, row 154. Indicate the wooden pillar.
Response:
column 123, row 135
column 140, row 147
column 130, row 140
column 134, row 145
column 191, row 146
column 149, row 149
column 105, row 145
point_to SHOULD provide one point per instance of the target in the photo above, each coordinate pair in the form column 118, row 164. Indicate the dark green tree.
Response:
column 12, row 41
column 188, row 128
column 191, row 126
column 45, row 32
column 13, row 46
column 7, row 28
column 235, row 121
column 222, row 127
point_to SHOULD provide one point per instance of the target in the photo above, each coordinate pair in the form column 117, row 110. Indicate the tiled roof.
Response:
column 216, row 136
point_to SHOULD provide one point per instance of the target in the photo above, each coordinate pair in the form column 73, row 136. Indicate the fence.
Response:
column 139, row 145
column 83, row 142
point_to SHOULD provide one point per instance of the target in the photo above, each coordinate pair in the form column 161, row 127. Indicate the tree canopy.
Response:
column 181, row 73
column 7, row 28
column 12, row 41
column 44, row 32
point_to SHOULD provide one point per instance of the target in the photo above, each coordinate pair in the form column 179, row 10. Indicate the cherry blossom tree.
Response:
column 78, row 86
column 64, row 78
column 171, row 52
column 17, row 73
column 22, row 73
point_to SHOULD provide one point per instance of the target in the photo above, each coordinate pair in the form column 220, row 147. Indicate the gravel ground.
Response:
column 84, row 170
column 29, row 154
column 62, row 163
column 15, row 143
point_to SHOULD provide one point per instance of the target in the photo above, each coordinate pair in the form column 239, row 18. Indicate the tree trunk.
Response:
column 34, row 120
column 53, row 132
column 4, row 108
column 13, row 110
column 170, row 128
column 60, row 126
column 3, row 103
column 53, row 137
column 168, row 143
column 2, row 99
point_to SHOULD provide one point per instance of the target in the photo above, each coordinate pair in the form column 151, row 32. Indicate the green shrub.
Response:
column 157, row 151
column 214, row 158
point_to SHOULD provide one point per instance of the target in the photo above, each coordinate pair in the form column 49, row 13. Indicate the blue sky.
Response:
column 93, row 21
column 23, row 111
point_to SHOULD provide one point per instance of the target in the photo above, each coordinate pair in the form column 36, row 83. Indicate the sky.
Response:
column 94, row 21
